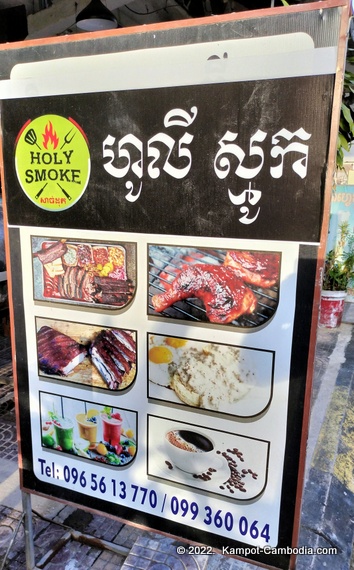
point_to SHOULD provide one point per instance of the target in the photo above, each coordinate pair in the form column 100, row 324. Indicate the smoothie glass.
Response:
column 64, row 433
column 112, row 429
column 87, row 429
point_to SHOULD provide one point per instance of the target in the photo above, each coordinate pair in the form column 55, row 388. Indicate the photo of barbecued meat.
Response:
column 205, row 284
column 126, row 339
column 113, row 352
column 58, row 353
column 85, row 273
column 85, row 354
column 51, row 253
column 256, row 268
column 109, row 291
column 224, row 295
column 76, row 284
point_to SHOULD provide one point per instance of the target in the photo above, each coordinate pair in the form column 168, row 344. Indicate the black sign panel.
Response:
column 216, row 160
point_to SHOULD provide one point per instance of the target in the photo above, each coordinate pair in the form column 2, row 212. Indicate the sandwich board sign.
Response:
column 165, row 193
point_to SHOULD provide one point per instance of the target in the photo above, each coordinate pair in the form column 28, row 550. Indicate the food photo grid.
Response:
column 230, row 287
column 181, row 401
column 86, row 354
column 207, row 459
column 218, row 377
column 66, row 270
column 99, row 433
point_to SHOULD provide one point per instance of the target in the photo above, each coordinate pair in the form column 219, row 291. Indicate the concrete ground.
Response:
column 67, row 538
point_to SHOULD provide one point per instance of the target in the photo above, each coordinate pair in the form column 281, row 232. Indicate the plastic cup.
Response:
column 112, row 429
column 87, row 429
column 64, row 433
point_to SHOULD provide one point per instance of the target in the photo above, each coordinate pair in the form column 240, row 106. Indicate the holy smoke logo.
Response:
column 52, row 161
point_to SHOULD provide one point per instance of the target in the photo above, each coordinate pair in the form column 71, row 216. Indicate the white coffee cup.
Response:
column 190, row 450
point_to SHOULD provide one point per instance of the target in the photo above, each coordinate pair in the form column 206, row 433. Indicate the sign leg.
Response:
column 29, row 537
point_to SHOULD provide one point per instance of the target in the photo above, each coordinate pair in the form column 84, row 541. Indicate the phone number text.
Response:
column 159, row 502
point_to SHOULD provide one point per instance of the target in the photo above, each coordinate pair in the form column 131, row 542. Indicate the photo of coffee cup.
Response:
column 190, row 450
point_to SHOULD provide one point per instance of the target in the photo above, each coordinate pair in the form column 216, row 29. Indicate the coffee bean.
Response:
column 234, row 482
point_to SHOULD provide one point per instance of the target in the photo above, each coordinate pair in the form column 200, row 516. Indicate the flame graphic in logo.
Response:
column 50, row 137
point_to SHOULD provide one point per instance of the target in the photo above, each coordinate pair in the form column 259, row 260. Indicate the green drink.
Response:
column 64, row 433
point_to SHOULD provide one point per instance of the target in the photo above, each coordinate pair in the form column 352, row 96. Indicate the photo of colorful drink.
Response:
column 64, row 433
column 112, row 428
column 88, row 430
column 87, row 425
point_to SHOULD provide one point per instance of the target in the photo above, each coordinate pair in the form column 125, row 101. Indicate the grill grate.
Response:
column 166, row 262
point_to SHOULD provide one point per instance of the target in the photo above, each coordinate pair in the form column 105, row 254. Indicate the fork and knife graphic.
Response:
column 67, row 139
column 66, row 194
column 31, row 138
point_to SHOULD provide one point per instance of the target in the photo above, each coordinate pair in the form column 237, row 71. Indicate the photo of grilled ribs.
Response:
column 113, row 352
column 58, row 353
column 87, row 354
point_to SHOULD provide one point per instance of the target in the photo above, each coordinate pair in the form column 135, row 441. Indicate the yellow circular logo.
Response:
column 52, row 162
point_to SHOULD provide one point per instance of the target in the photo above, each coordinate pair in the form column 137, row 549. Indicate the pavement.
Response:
column 68, row 538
